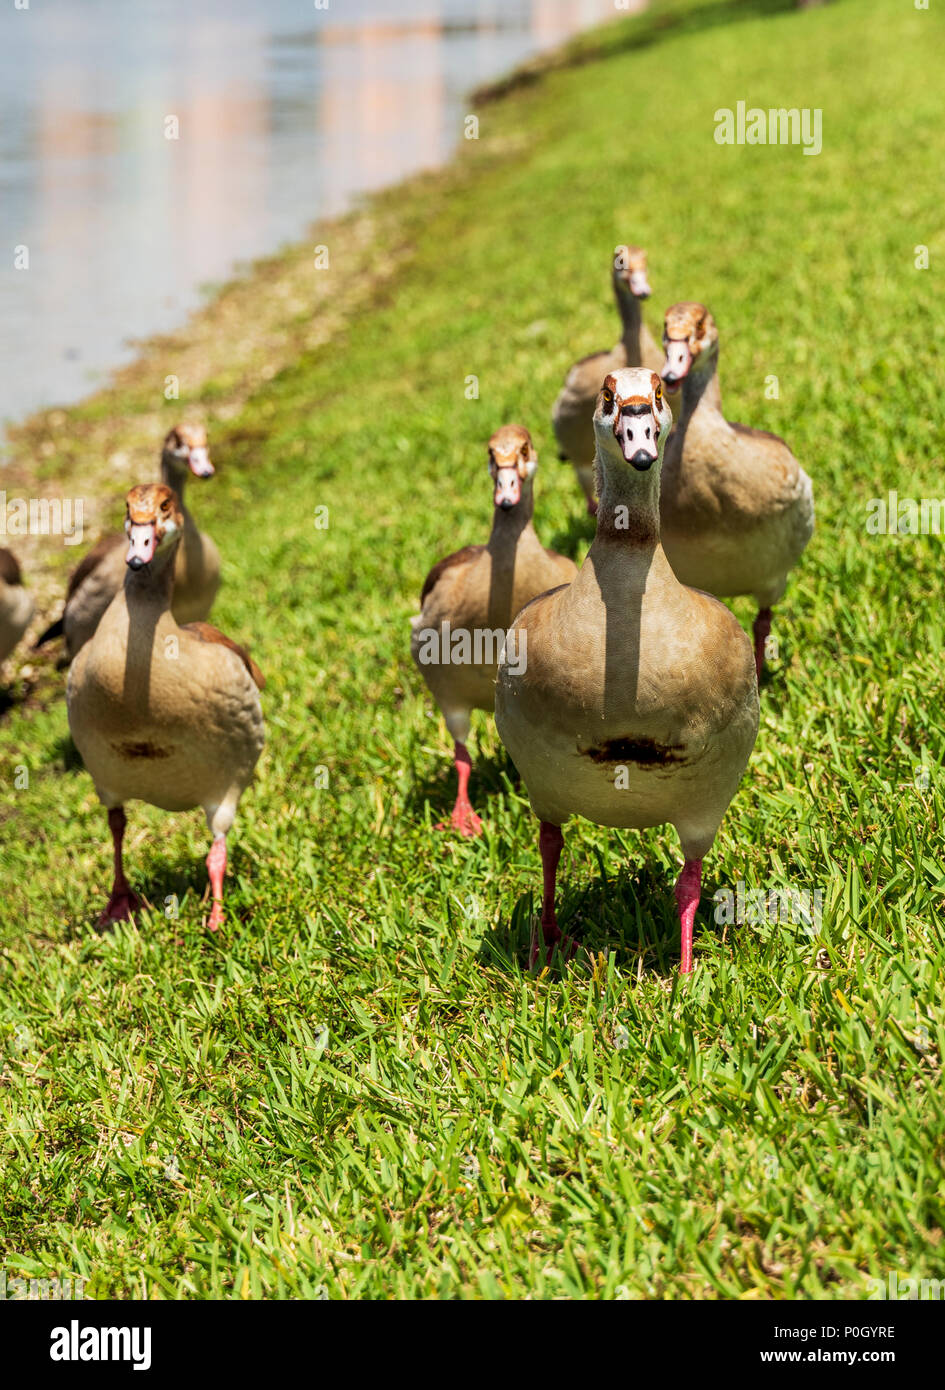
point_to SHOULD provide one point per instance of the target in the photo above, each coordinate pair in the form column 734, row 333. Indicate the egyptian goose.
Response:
column 163, row 713
column 573, row 413
column 469, row 599
column 16, row 605
column 101, row 572
column 639, row 704
column 737, row 509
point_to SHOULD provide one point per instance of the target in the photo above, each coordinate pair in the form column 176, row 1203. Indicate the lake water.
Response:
column 285, row 112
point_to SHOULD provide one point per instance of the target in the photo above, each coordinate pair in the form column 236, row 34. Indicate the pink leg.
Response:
column 761, row 630
column 216, row 868
column 123, row 903
column 551, row 843
column 688, row 893
column 464, row 818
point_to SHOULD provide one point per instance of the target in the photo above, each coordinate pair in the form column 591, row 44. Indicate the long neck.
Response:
column 701, row 393
column 508, row 523
column 628, row 512
column 508, row 528
column 148, row 591
column 632, row 320
column 618, row 571
column 173, row 475
column 147, row 596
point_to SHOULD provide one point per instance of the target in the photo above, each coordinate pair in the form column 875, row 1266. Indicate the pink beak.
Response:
column 142, row 543
column 508, row 487
column 200, row 465
column 637, row 431
column 639, row 284
column 678, row 361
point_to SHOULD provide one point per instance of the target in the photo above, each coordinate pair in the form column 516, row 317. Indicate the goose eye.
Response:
column 608, row 399
column 659, row 394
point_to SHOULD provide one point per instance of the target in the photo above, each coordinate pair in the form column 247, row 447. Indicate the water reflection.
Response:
column 284, row 114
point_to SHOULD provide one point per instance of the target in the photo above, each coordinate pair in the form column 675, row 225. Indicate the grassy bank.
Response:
column 356, row 1087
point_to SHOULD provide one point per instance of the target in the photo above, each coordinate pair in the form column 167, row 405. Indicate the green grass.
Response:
column 176, row 1120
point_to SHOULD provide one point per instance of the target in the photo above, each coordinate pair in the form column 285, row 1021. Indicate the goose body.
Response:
column 161, row 712
column 736, row 508
column 470, row 598
column 101, row 573
column 573, row 413
column 16, row 604
column 177, row 732
column 639, row 704
column 628, row 670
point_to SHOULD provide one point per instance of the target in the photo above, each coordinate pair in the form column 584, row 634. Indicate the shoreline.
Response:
column 432, row 128
column 252, row 327
column 103, row 443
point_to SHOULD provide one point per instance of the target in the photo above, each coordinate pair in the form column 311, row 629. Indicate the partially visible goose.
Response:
column 469, row 599
column 737, row 508
column 100, row 574
column 573, row 413
column 16, row 605
column 639, row 705
column 162, row 713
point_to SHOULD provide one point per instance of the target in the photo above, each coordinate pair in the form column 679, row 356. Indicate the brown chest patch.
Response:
column 645, row 752
column 143, row 749
column 635, row 528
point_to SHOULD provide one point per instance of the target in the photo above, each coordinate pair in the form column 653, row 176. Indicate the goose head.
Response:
column 185, row 448
column 632, row 420
column 690, row 341
column 153, row 524
column 630, row 273
column 512, row 464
